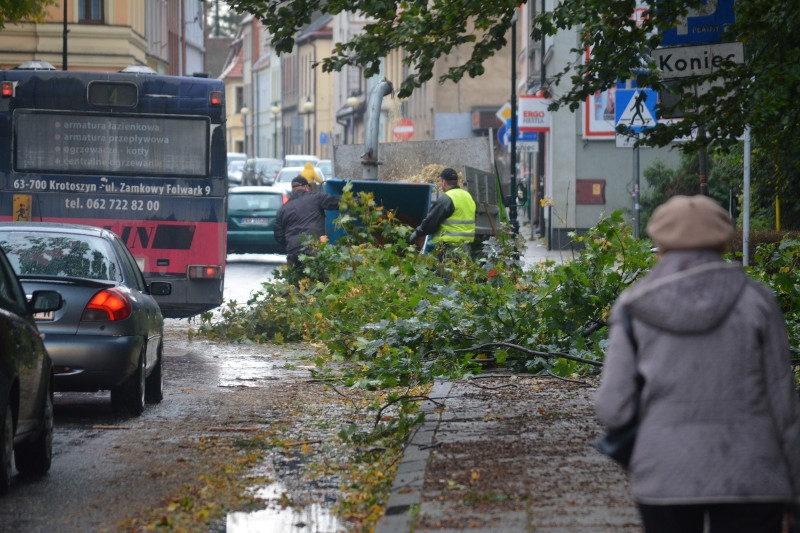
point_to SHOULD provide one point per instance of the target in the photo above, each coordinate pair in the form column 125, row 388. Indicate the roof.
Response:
column 234, row 68
column 315, row 29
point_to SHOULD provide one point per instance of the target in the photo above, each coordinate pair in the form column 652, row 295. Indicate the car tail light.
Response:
column 108, row 304
column 285, row 198
column 204, row 271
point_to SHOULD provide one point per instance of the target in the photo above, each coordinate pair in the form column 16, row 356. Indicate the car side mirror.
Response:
column 160, row 288
column 45, row 301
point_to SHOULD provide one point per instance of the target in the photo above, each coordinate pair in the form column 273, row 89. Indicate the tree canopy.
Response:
column 18, row 10
column 761, row 92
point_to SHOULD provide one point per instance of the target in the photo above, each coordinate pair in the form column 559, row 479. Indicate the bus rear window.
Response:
column 110, row 144
column 104, row 93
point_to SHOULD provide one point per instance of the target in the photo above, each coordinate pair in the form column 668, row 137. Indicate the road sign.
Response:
column 323, row 138
column 504, row 113
column 403, row 129
column 703, row 25
column 636, row 108
column 687, row 61
column 504, row 135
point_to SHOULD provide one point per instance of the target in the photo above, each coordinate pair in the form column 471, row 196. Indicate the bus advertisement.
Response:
column 141, row 154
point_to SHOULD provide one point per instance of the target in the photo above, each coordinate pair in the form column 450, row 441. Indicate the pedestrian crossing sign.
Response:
column 636, row 109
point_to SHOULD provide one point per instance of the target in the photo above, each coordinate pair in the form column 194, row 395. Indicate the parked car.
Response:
column 235, row 173
column 251, row 219
column 260, row 171
column 235, row 163
column 26, row 380
column 299, row 160
column 108, row 334
column 286, row 174
column 326, row 166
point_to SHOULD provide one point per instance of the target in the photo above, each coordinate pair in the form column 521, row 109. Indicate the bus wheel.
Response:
column 128, row 398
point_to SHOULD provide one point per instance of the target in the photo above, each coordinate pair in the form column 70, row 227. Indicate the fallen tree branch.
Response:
column 233, row 429
column 528, row 351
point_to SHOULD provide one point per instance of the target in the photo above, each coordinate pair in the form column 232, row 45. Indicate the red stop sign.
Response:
column 403, row 129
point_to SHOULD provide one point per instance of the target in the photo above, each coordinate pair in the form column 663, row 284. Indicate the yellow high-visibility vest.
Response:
column 460, row 227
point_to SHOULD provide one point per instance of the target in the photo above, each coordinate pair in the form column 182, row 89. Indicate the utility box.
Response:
column 409, row 201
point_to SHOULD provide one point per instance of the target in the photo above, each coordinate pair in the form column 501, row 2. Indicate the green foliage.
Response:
column 400, row 319
column 760, row 92
column 389, row 319
column 664, row 182
column 23, row 10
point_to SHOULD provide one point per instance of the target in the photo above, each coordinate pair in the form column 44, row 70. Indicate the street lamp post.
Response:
column 308, row 108
column 244, row 112
column 275, row 110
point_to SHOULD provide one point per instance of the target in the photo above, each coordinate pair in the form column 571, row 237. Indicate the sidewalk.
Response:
column 505, row 453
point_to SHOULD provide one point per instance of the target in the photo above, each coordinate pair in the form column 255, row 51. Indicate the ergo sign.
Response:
column 533, row 114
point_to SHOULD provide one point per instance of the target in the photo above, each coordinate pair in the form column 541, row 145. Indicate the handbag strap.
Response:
column 627, row 323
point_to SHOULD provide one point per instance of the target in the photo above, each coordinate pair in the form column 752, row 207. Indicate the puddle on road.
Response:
column 312, row 518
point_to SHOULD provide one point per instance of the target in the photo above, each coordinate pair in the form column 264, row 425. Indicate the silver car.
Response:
column 108, row 334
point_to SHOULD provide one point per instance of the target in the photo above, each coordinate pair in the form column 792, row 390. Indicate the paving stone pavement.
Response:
column 529, row 441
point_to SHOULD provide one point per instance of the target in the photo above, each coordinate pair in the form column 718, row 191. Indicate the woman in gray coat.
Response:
column 719, row 432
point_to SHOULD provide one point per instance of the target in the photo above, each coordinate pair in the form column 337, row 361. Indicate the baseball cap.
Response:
column 449, row 174
column 299, row 181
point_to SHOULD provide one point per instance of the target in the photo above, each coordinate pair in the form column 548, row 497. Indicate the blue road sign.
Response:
column 504, row 137
column 323, row 138
column 636, row 111
column 703, row 25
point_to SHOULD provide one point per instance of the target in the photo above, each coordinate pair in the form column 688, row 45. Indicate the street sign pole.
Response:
column 512, row 186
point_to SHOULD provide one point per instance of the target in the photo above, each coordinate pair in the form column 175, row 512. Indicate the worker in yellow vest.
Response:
column 451, row 219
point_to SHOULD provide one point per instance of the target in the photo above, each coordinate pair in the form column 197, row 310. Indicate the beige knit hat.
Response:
column 690, row 222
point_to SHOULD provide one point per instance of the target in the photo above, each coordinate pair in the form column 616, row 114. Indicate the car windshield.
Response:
column 75, row 256
column 254, row 202
column 236, row 166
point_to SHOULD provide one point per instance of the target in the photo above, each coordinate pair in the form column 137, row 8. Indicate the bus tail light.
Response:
column 204, row 272
column 108, row 304
column 8, row 88
column 215, row 98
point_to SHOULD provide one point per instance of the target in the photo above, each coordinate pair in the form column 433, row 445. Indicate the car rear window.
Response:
column 76, row 256
column 251, row 202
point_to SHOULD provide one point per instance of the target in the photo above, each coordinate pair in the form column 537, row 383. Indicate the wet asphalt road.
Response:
column 104, row 464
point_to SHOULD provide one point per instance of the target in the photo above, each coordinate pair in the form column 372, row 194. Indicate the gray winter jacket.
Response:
column 720, row 417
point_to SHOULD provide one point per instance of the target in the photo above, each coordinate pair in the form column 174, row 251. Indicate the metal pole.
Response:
column 702, row 160
column 64, row 46
column 636, row 208
column 244, row 126
column 746, row 202
column 512, row 185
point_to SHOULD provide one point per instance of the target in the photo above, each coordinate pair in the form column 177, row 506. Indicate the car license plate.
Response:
column 261, row 221
column 47, row 315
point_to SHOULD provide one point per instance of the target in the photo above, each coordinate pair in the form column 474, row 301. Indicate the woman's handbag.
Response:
column 618, row 443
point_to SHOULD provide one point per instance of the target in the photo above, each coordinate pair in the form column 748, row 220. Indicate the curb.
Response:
column 406, row 490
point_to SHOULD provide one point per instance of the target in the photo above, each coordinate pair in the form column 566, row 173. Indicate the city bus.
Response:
column 141, row 154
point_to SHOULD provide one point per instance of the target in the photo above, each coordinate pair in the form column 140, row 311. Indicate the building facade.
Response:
column 109, row 35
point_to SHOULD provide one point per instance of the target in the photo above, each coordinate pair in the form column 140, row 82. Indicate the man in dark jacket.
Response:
column 303, row 214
